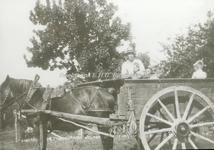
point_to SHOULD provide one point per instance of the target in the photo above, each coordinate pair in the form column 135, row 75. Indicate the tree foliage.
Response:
column 144, row 57
column 184, row 51
column 85, row 30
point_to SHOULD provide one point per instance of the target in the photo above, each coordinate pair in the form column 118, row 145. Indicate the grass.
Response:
column 72, row 144
column 7, row 142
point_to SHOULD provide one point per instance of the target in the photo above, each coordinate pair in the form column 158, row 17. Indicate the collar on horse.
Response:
column 33, row 88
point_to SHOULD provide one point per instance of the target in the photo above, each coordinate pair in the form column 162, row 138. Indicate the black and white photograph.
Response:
column 106, row 74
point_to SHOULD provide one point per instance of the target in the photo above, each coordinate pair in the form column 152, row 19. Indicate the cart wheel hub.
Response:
column 183, row 129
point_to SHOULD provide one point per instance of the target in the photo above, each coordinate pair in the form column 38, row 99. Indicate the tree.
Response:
column 85, row 30
column 184, row 51
column 144, row 57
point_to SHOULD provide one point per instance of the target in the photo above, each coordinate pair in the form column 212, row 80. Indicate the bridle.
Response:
column 9, row 93
column 11, row 102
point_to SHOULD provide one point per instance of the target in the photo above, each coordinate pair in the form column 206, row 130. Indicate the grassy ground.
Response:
column 72, row 144
column 7, row 142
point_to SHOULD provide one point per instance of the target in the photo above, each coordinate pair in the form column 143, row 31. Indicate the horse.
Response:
column 88, row 100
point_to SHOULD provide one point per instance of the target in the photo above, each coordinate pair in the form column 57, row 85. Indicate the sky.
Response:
column 152, row 22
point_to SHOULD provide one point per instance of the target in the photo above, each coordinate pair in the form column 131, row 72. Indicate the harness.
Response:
column 33, row 88
column 47, row 99
column 16, row 99
column 88, row 106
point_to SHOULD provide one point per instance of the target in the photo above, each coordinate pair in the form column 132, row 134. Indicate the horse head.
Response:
column 7, row 95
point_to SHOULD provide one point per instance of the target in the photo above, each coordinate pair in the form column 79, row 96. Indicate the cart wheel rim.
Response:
column 180, row 126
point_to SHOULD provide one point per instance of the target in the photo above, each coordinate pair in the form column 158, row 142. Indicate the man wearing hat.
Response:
column 128, row 67
column 199, row 73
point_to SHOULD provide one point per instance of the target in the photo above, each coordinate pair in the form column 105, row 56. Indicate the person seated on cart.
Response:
column 199, row 73
column 157, row 74
column 128, row 66
column 137, row 74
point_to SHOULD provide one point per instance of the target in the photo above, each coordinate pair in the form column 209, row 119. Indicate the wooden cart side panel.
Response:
column 143, row 91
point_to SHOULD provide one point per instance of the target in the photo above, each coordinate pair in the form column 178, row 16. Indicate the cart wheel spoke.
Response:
column 153, row 136
column 158, row 131
column 156, row 125
column 188, row 106
column 202, row 124
column 164, row 141
column 166, row 110
column 177, row 105
column 167, row 134
column 202, row 137
column 175, row 143
column 198, row 114
column 192, row 143
column 161, row 138
column 160, row 119
column 183, row 145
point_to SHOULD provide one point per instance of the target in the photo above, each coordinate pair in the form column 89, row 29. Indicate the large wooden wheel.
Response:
column 176, row 118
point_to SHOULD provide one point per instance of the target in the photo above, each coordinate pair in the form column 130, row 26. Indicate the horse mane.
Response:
column 18, row 85
column 24, row 84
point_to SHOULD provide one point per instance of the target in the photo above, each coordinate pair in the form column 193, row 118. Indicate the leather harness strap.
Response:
column 87, row 108
column 47, row 99
column 91, row 100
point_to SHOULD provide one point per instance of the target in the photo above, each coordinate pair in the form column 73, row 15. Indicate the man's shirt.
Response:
column 199, row 74
column 128, row 67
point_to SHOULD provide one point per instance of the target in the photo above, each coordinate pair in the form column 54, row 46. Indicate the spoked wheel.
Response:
column 177, row 117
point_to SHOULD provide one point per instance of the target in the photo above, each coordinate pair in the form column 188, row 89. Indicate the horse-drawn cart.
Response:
column 165, row 113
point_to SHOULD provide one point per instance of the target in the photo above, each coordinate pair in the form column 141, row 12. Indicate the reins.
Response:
column 10, row 103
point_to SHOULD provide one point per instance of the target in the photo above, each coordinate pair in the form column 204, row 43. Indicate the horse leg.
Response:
column 107, row 142
column 36, row 134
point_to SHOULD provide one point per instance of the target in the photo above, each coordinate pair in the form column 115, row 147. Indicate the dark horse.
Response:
column 80, row 101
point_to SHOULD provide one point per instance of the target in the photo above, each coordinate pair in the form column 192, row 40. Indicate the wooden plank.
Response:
column 169, row 80
column 15, row 125
column 84, row 118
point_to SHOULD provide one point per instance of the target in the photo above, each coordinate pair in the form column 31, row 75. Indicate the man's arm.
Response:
column 123, row 71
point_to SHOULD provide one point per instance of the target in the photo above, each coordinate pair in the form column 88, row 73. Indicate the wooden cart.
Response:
column 168, row 113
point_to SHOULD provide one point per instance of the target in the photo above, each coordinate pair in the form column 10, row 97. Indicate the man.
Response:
column 128, row 66
column 199, row 73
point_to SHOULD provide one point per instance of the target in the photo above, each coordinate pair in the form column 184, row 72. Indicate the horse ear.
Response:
column 7, row 78
column 6, row 82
